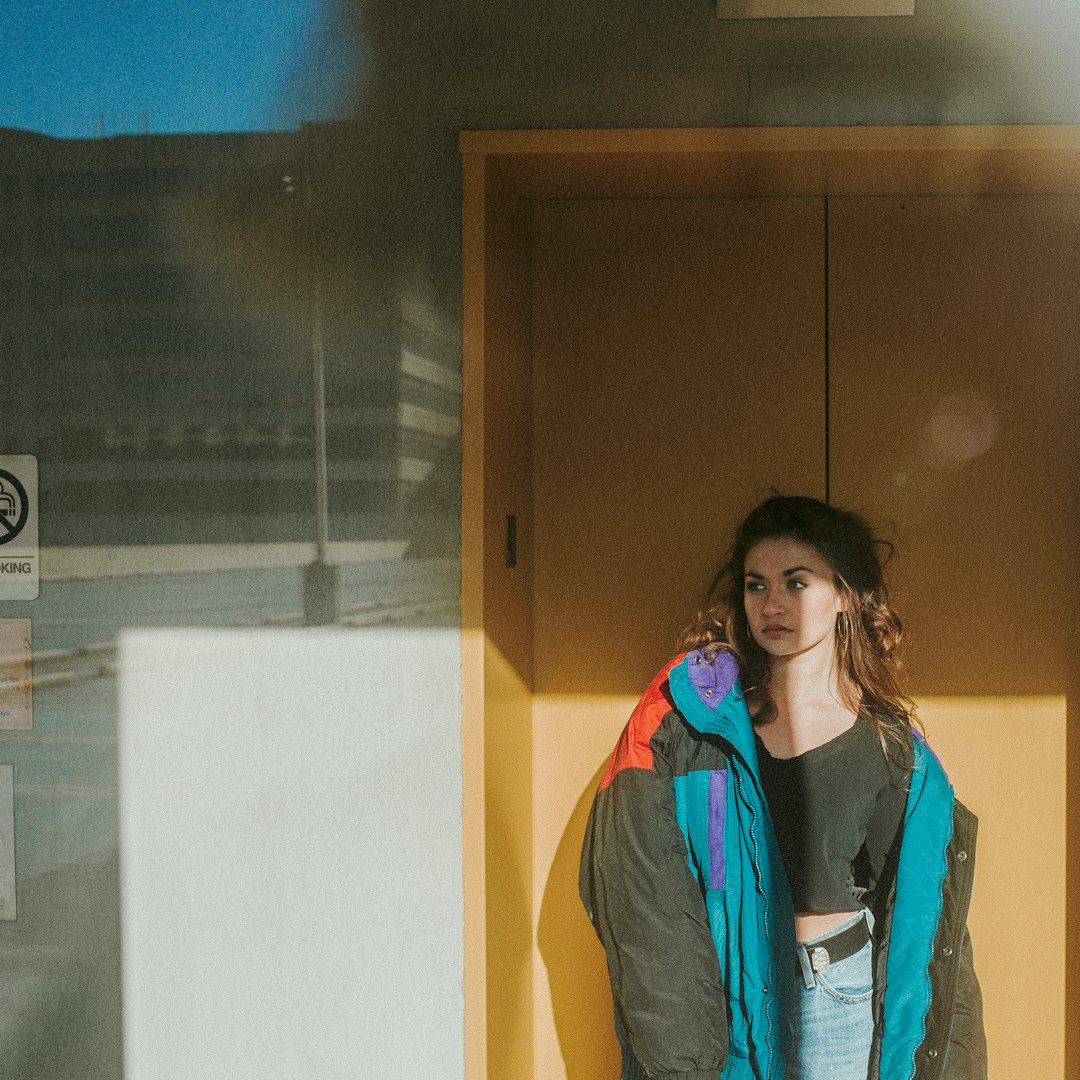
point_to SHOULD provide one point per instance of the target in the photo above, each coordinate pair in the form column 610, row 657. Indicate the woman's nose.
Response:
column 772, row 604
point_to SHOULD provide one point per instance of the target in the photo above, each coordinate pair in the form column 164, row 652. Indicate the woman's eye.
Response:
column 754, row 586
column 795, row 584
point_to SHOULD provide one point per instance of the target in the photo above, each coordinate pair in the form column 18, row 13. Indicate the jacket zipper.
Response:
column 765, row 894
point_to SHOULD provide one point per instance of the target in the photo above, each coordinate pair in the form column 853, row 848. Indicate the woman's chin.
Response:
column 792, row 648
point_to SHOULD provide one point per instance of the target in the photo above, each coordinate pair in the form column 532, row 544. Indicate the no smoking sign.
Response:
column 19, row 556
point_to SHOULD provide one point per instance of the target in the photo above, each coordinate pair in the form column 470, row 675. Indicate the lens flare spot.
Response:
column 962, row 427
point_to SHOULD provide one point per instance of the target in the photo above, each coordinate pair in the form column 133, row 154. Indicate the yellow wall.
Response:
column 497, row 640
column 955, row 387
column 1006, row 759
column 673, row 352
column 677, row 350
column 573, row 1010
column 508, row 824
column 652, row 432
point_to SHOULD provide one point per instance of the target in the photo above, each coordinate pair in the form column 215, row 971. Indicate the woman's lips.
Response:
column 776, row 631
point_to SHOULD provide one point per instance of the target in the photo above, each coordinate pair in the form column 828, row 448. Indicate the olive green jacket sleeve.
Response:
column 648, row 909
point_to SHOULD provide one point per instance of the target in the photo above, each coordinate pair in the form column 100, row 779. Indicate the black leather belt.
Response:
column 837, row 947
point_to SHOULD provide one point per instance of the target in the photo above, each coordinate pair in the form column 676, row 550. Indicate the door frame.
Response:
column 504, row 172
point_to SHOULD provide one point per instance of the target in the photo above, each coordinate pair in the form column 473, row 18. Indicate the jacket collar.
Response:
column 709, row 696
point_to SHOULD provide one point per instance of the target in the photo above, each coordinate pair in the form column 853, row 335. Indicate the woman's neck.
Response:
column 810, row 708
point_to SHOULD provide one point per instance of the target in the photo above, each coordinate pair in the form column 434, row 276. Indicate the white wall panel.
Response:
column 291, row 854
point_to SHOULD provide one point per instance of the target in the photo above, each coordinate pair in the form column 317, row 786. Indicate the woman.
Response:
column 774, row 861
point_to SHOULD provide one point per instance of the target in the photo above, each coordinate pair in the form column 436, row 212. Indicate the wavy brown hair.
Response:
column 868, row 631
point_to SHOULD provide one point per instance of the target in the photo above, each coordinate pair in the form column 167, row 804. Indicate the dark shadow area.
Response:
column 574, row 959
column 61, row 1012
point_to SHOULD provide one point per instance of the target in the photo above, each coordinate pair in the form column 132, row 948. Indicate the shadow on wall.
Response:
column 574, row 959
column 510, row 1022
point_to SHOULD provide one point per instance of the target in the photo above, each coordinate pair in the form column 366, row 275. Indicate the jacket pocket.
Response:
column 701, row 797
column 718, row 785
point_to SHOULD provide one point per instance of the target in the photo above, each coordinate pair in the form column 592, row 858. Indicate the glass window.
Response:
column 148, row 180
column 103, row 233
column 147, row 283
column 148, row 337
column 10, row 239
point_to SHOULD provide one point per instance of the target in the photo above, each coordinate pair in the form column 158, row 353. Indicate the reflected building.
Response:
column 162, row 298
column 161, row 370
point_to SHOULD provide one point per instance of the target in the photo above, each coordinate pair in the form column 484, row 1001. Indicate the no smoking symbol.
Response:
column 14, row 506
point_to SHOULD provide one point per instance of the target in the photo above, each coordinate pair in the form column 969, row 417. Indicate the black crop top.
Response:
column 836, row 810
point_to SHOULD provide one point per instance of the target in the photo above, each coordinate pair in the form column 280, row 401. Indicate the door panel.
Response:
column 678, row 374
column 954, row 333
column 954, row 377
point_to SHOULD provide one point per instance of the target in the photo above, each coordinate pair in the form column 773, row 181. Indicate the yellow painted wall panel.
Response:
column 497, row 658
column 508, row 433
column 678, row 374
column 954, row 331
column 676, row 348
column 1006, row 759
column 573, row 1009
column 508, row 827
column 1016, row 787
column 954, row 337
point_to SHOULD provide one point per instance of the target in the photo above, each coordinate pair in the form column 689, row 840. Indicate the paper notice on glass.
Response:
column 7, row 843
column 19, row 556
column 16, row 686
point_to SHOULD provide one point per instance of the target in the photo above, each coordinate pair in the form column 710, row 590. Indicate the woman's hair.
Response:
column 868, row 631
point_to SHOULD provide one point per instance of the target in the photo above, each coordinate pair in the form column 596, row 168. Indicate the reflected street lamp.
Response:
column 321, row 578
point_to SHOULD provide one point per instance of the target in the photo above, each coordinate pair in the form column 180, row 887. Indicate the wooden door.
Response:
column 615, row 284
column 679, row 372
column 954, row 337
column 678, row 375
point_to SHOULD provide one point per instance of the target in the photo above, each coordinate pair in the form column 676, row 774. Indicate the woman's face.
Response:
column 790, row 599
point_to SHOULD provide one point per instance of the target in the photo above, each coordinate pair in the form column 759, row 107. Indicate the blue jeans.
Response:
column 829, row 1024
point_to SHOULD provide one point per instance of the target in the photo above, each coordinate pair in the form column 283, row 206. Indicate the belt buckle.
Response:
column 819, row 959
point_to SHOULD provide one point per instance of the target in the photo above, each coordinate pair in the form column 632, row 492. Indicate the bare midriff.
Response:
column 809, row 925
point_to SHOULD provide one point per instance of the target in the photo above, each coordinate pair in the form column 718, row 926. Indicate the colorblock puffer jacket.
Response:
column 683, row 881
